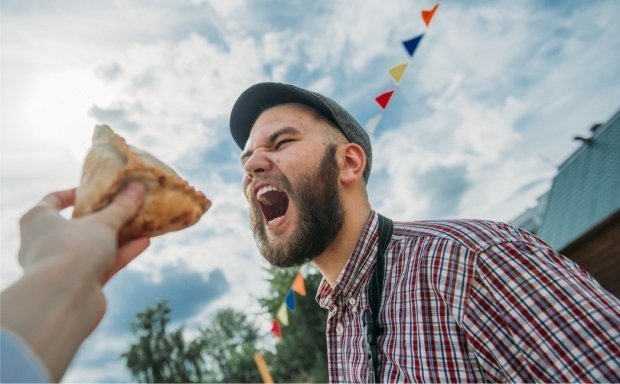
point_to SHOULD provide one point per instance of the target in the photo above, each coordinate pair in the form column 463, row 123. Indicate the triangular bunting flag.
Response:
column 427, row 16
column 282, row 315
column 372, row 124
column 412, row 44
column 298, row 285
column 384, row 98
column 276, row 330
column 290, row 300
column 397, row 72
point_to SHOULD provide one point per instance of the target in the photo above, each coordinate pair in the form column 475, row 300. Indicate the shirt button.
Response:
column 352, row 300
column 339, row 329
column 332, row 310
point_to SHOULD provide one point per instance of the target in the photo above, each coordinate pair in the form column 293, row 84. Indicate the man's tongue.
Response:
column 274, row 204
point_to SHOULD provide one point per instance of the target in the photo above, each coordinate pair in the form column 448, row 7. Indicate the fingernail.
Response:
column 134, row 190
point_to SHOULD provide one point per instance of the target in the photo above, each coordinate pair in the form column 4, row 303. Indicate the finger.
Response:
column 59, row 200
column 125, row 255
column 39, row 216
column 124, row 206
column 129, row 251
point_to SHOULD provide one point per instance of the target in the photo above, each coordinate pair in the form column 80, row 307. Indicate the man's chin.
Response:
column 285, row 262
column 277, row 251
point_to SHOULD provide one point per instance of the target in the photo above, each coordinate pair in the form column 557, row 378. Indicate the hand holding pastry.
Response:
column 58, row 301
column 170, row 204
column 125, row 196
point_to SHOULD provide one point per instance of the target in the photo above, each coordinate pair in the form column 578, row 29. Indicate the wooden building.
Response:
column 580, row 214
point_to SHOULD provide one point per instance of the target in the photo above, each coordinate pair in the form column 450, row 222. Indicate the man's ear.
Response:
column 353, row 163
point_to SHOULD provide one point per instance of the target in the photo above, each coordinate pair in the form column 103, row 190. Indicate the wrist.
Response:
column 57, row 311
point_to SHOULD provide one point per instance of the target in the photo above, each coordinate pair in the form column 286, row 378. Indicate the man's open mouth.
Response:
column 273, row 202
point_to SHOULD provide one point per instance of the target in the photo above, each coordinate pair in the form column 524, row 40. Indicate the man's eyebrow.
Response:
column 270, row 140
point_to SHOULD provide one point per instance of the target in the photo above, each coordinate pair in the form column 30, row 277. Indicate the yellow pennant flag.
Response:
column 397, row 72
column 282, row 315
column 262, row 368
column 298, row 285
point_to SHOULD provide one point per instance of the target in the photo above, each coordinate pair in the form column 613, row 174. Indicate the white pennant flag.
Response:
column 372, row 124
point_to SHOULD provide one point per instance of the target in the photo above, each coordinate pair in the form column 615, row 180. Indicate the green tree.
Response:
column 224, row 349
column 159, row 356
column 230, row 343
column 301, row 355
column 223, row 352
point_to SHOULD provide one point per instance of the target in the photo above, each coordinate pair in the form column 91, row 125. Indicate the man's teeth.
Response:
column 269, row 203
column 275, row 221
column 264, row 190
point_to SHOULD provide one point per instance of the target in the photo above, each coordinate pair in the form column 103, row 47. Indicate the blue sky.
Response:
column 484, row 115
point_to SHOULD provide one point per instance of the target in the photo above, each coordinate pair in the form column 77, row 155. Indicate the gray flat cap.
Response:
column 260, row 97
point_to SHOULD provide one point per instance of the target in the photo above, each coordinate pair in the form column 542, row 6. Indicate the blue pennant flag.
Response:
column 412, row 44
column 290, row 300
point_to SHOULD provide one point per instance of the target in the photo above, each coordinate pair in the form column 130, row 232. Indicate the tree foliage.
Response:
column 301, row 355
column 229, row 346
column 159, row 356
column 224, row 349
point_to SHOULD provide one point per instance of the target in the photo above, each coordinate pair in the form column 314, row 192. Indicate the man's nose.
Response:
column 256, row 163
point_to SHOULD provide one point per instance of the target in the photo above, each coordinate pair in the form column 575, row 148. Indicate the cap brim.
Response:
column 260, row 97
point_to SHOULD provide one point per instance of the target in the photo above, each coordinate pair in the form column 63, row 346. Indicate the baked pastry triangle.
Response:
column 170, row 203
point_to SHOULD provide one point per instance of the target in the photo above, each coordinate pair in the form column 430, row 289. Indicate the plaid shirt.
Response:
column 471, row 301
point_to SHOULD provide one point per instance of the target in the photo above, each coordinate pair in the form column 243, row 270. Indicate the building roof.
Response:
column 586, row 190
column 531, row 218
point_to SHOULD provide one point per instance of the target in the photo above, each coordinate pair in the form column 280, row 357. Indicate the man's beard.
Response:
column 321, row 216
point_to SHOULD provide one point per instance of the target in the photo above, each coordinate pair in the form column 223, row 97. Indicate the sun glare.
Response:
column 58, row 110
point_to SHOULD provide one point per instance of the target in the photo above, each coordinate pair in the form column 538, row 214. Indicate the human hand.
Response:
column 88, row 244
column 59, row 300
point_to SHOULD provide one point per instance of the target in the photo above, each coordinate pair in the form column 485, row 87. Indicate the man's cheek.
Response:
column 255, row 214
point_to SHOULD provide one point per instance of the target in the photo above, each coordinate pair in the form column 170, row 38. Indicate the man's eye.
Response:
column 280, row 143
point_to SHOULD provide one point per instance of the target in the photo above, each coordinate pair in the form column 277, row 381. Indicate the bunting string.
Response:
column 281, row 319
column 398, row 71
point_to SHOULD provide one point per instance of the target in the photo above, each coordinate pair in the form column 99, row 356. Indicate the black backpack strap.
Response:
column 375, row 291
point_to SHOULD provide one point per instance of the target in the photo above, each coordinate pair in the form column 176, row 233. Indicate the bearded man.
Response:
column 443, row 301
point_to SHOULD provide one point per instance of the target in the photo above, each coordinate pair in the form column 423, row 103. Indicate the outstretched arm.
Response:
column 59, row 301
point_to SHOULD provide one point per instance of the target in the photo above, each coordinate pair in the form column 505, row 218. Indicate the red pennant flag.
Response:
column 384, row 98
column 276, row 330
column 427, row 16
column 298, row 285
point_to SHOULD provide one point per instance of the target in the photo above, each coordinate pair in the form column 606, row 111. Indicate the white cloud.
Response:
column 499, row 79
column 350, row 36
column 108, row 370
column 224, row 8
column 493, row 89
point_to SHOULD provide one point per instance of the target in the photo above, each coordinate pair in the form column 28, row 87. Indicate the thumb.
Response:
column 124, row 206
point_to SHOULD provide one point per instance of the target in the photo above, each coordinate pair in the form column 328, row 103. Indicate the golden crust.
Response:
column 170, row 203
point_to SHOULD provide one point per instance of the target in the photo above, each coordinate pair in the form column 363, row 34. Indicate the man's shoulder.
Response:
column 474, row 234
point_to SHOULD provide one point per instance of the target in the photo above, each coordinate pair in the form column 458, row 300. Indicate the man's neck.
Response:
column 332, row 261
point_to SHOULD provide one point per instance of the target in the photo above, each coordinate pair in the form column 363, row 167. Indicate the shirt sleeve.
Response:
column 533, row 315
column 18, row 363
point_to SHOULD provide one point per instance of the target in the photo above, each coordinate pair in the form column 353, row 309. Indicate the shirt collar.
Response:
column 356, row 272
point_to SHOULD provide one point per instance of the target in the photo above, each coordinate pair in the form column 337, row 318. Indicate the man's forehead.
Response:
column 287, row 110
column 274, row 118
